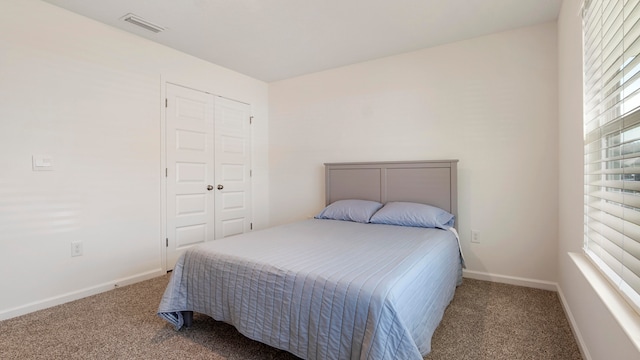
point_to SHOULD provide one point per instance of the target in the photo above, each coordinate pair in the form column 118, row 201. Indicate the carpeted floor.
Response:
column 484, row 321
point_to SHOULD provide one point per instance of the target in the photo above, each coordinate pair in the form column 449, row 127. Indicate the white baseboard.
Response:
column 574, row 326
column 512, row 280
column 79, row 294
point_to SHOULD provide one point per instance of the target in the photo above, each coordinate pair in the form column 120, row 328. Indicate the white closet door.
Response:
column 232, row 167
column 190, row 169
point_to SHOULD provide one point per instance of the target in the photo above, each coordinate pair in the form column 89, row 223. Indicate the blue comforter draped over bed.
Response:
column 323, row 289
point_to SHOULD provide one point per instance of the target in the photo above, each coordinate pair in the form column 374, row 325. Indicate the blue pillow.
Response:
column 350, row 210
column 413, row 214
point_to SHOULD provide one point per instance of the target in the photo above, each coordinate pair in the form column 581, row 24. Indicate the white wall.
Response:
column 490, row 102
column 601, row 335
column 90, row 96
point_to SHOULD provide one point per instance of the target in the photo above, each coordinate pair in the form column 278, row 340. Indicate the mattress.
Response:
column 323, row 289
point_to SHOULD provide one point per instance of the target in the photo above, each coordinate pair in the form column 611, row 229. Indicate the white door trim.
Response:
column 161, row 173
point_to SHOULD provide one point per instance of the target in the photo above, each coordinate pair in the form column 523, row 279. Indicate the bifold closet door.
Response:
column 232, row 167
column 208, row 169
column 190, row 216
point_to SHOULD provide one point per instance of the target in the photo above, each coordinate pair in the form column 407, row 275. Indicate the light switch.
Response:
column 42, row 162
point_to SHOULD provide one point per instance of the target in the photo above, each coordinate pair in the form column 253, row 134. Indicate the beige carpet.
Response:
column 484, row 321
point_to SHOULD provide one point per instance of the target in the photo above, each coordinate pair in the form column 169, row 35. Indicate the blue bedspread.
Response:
column 323, row 289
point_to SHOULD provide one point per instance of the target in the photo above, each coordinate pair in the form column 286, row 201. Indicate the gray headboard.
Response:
column 432, row 182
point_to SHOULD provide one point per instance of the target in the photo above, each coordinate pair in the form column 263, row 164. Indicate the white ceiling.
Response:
column 277, row 39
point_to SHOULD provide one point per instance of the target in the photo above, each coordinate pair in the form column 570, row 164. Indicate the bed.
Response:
column 334, row 287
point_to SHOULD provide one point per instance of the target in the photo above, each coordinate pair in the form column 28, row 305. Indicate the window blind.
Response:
column 611, row 35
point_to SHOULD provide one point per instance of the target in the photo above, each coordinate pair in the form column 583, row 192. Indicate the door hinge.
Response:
column 250, row 173
column 166, row 172
column 250, row 226
column 250, row 120
column 167, row 242
column 166, row 102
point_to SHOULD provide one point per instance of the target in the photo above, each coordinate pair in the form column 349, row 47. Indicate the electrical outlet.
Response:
column 475, row 236
column 76, row 248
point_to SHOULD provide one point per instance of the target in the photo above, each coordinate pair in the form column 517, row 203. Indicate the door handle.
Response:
column 220, row 187
column 209, row 187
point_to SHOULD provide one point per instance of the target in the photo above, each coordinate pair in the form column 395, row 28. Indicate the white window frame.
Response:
column 611, row 35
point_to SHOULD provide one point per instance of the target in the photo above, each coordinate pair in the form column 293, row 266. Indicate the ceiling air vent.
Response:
column 138, row 21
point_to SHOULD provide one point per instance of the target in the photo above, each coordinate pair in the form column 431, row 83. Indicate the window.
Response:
column 611, row 35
